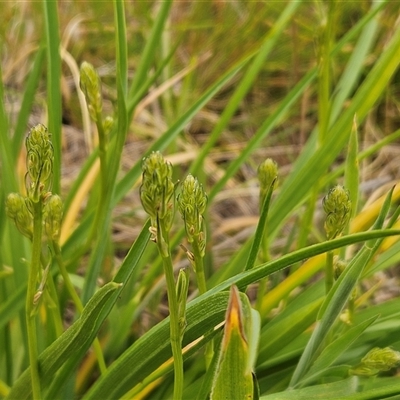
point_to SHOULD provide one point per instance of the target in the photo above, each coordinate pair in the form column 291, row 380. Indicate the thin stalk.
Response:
column 329, row 271
column 201, row 284
column 199, row 267
column 78, row 304
column 175, row 331
column 100, row 210
column 30, row 306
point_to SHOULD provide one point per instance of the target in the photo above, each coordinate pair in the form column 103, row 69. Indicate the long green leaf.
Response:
column 122, row 277
column 149, row 51
column 203, row 313
column 76, row 339
column 153, row 349
column 334, row 350
column 54, row 86
column 245, row 84
column 125, row 184
column 295, row 188
column 260, row 229
column 334, row 391
column 337, row 298
column 27, row 101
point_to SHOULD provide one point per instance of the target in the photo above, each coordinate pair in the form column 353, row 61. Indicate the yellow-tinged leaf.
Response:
column 233, row 377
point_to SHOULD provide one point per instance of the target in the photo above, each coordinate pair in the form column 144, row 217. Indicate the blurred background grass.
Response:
column 209, row 36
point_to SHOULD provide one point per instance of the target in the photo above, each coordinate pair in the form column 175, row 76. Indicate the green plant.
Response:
column 270, row 316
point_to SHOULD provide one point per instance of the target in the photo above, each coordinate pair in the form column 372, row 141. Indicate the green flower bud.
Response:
column 182, row 287
column 40, row 157
column 192, row 202
column 17, row 210
column 108, row 124
column 382, row 359
column 52, row 213
column 267, row 173
column 157, row 189
column 90, row 85
column 377, row 360
column 337, row 206
column 338, row 266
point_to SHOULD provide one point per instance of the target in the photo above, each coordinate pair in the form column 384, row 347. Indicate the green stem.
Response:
column 201, row 283
column 78, row 304
column 175, row 331
column 329, row 271
column 100, row 211
column 199, row 267
column 30, row 306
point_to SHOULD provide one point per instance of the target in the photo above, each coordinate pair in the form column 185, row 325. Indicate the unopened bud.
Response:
column 192, row 202
column 17, row 210
column 40, row 157
column 53, row 212
column 267, row 173
column 377, row 360
column 90, row 85
column 157, row 189
column 337, row 206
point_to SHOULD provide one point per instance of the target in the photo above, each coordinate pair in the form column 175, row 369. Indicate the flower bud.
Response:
column 182, row 287
column 377, row 360
column 267, row 172
column 53, row 212
column 339, row 266
column 108, row 124
column 157, row 189
column 192, row 202
column 17, row 210
column 337, row 206
column 40, row 157
column 90, row 85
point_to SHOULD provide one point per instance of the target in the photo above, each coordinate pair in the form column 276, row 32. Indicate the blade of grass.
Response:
column 113, row 157
column 260, row 229
column 126, row 183
column 245, row 84
column 295, row 188
column 263, row 131
column 53, row 85
column 122, row 277
column 335, row 390
column 335, row 349
column 203, row 313
column 27, row 100
column 75, row 339
column 149, row 52
column 336, row 299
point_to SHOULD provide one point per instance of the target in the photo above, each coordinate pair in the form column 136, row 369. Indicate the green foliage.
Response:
column 185, row 91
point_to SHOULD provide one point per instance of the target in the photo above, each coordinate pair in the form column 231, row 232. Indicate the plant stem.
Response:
column 78, row 303
column 201, row 283
column 329, row 271
column 199, row 267
column 30, row 306
column 175, row 331
column 100, row 211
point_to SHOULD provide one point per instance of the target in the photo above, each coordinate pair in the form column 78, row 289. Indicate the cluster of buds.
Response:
column 90, row 85
column 377, row 360
column 157, row 192
column 40, row 157
column 337, row 206
column 267, row 173
column 38, row 185
column 192, row 203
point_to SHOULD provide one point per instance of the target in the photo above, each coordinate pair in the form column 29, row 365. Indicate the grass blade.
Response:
column 53, row 85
